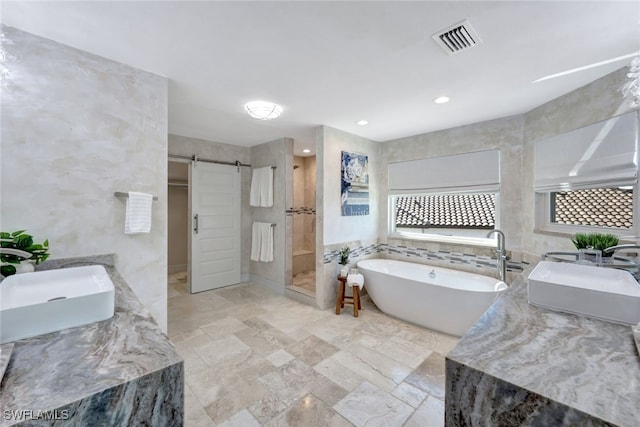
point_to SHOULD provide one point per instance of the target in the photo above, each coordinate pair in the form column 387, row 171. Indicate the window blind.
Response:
column 476, row 171
column 601, row 155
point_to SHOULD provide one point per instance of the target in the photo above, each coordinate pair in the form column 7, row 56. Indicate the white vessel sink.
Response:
column 603, row 293
column 37, row 303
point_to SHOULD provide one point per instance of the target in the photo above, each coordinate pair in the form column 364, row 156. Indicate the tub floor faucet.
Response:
column 501, row 255
column 614, row 249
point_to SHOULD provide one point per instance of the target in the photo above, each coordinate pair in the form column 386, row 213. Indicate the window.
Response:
column 594, row 210
column 443, row 199
column 469, row 215
column 592, row 186
column 598, row 207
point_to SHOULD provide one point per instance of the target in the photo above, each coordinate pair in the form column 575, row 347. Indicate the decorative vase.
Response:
column 344, row 270
column 590, row 255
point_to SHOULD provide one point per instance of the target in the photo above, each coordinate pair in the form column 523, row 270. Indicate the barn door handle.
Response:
column 195, row 223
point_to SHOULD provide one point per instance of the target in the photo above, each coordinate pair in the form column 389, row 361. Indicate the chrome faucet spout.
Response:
column 501, row 254
column 620, row 248
column 16, row 252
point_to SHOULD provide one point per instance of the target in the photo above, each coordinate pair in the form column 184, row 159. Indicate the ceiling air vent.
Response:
column 457, row 38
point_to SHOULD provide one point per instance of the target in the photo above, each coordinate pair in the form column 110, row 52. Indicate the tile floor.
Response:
column 305, row 282
column 253, row 358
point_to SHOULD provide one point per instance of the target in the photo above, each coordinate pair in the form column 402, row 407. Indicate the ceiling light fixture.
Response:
column 263, row 110
column 441, row 100
column 362, row 122
column 306, row 150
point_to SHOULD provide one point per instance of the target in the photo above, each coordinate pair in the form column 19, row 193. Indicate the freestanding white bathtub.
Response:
column 437, row 298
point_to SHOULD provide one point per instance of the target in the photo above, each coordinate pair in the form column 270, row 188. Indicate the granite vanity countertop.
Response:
column 589, row 365
column 54, row 370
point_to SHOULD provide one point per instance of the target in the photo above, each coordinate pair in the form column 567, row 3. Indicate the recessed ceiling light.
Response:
column 306, row 150
column 362, row 122
column 263, row 110
column 441, row 100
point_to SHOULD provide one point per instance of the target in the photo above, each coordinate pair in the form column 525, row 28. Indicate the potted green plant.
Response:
column 344, row 260
column 598, row 241
column 18, row 247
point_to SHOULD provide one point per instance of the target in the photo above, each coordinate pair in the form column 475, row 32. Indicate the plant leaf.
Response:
column 23, row 241
column 7, row 270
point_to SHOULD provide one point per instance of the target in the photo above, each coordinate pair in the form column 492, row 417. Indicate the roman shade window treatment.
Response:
column 469, row 172
column 601, row 155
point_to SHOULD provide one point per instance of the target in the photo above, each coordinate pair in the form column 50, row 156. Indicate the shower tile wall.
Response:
column 303, row 212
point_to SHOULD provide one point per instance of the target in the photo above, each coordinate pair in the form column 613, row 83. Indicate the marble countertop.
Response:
column 53, row 370
column 5, row 355
column 587, row 364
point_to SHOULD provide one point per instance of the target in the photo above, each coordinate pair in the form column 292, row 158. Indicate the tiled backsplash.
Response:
column 301, row 210
column 331, row 254
column 451, row 257
column 441, row 255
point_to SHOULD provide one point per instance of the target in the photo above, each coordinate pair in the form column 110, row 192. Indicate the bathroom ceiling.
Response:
column 335, row 63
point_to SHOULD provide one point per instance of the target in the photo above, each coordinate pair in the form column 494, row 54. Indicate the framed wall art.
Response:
column 354, row 184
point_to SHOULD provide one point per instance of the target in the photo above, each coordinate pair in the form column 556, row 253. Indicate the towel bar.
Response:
column 126, row 195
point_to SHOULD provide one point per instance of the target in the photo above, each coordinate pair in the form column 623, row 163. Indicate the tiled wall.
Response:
column 338, row 228
column 331, row 226
column 358, row 252
column 304, row 202
column 504, row 134
column 75, row 129
column 329, row 267
column 278, row 153
column 303, row 215
column 471, row 259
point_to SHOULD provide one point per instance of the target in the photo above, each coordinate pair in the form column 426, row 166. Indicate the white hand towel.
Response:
column 256, row 234
column 266, row 189
column 261, row 193
column 355, row 280
column 262, row 242
column 138, row 213
column 254, row 193
column 266, row 242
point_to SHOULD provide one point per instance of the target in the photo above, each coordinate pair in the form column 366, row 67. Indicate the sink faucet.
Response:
column 501, row 255
column 15, row 252
column 21, row 255
column 614, row 249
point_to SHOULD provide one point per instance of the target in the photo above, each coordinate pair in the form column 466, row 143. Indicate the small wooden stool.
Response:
column 354, row 300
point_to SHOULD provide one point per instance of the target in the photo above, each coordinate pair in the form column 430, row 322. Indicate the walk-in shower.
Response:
column 304, row 224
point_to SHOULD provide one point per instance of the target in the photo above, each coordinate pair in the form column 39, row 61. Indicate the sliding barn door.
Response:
column 215, row 239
